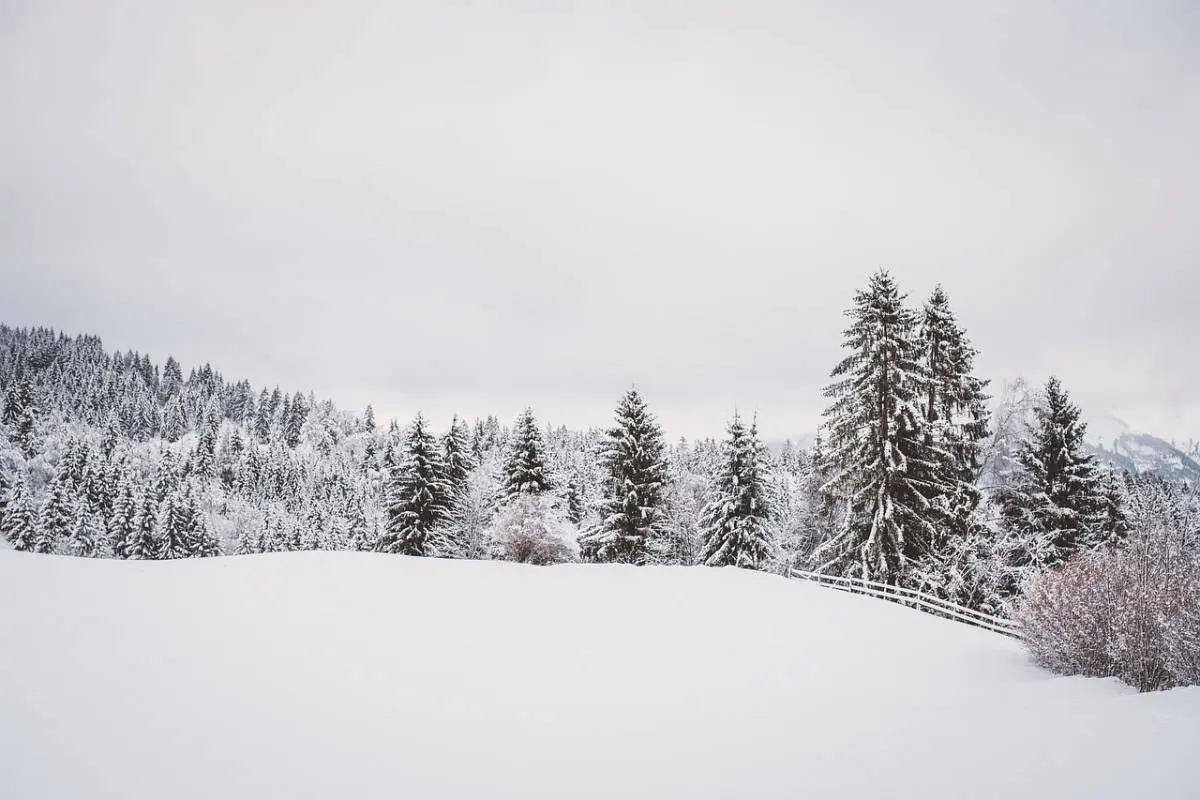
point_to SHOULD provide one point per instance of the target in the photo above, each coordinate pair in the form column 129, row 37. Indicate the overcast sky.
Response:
column 475, row 206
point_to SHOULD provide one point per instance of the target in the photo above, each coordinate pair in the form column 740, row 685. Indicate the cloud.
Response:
column 477, row 208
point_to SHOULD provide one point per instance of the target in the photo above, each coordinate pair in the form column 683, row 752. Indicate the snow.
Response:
column 320, row 675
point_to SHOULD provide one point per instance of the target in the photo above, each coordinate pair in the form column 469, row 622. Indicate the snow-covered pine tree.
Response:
column 123, row 523
column 19, row 525
column 204, row 457
column 525, row 463
column 417, row 498
column 457, row 458
column 1055, row 504
column 733, row 524
column 955, row 400
column 174, row 420
column 631, row 511
column 57, row 515
column 884, row 465
column 174, row 527
column 144, row 545
column 202, row 543
column 293, row 420
column 574, row 499
column 956, row 419
column 86, row 537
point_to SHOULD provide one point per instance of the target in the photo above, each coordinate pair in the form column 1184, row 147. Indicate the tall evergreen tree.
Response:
column 632, row 509
column 86, row 536
column 955, row 402
column 457, row 458
column 884, row 465
column 57, row 515
column 525, row 463
column 144, row 545
column 733, row 523
column 175, row 527
column 418, row 498
column 1056, row 504
column 123, row 524
column 174, row 419
column 19, row 525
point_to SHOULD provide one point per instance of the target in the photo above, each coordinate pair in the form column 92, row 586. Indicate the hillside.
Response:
column 1113, row 442
column 361, row 675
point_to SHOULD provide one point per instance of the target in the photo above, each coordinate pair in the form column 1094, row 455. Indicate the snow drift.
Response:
column 351, row 675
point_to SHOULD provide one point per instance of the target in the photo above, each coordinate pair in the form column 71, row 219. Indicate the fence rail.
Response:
column 913, row 599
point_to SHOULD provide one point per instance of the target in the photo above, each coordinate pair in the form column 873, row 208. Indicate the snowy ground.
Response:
column 356, row 675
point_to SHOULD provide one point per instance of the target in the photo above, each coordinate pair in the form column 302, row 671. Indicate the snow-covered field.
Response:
column 341, row 675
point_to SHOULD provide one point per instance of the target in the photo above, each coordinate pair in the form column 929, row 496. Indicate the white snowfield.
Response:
column 344, row 675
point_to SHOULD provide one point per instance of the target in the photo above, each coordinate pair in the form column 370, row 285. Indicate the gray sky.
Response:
column 471, row 207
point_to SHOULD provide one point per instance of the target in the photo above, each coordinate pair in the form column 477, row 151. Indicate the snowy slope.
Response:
column 347, row 675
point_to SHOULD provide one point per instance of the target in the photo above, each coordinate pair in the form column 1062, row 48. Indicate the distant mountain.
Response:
column 1112, row 441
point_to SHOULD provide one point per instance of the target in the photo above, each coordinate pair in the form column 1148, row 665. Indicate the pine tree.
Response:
column 525, row 464
column 204, row 458
column 113, row 434
column 262, row 420
column 574, row 502
column 20, row 414
column 201, row 542
column 1055, row 505
column 369, row 419
column 418, row 498
column 85, row 539
column 57, row 515
column 293, row 420
column 144, row 544
column 123, row 524
column 175, row 527
column 955, row 411
column 733, row 523
column 174, row 420
column 885, row 466
column 631, row 511
column 457, row 458
column 19, row 525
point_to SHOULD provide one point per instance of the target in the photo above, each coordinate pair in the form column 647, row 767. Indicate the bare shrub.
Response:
column 532, row 530
column 1131, row 613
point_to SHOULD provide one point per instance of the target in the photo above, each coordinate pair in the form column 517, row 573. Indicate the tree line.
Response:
column 911, row 481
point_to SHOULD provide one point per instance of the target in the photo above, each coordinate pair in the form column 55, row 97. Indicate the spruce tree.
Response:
column 144, row 545
column 174, row 419
column 632, row 508
column 418, row 498
column 1056, row 504
column 123, row 524
column 883, row 463
column 457, row 458
column 525, row 463
column 174, row 527
column 57, row 515
column 201, row 541
column 954, row 397
column 204, row 457
column 733, row 523
column 574, row 502
column 19, row 525
column 86, row 537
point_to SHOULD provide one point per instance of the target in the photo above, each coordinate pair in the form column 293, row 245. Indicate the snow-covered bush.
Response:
column 1131, row 613
column 530, row 529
